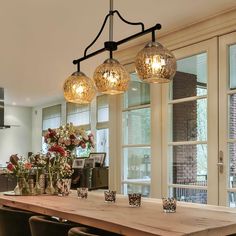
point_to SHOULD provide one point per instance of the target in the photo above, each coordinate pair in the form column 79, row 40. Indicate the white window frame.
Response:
column 209, row 46
column 224, row 42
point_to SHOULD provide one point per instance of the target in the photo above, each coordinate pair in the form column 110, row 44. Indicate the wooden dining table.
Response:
column 119, row 217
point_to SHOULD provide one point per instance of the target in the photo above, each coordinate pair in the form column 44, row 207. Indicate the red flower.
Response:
column 58, row 149
column 51, row 133
column 10, row 167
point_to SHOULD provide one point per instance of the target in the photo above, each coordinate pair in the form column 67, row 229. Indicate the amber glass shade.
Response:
column 111, row 77
column 78, row 88
column 155, row 64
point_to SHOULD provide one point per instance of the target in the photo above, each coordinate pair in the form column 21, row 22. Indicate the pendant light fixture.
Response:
column 154, row 64
column 78, row 88
column 111, row 77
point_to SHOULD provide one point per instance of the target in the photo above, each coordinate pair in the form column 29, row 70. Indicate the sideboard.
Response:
column 7, row 182
column 92, row 178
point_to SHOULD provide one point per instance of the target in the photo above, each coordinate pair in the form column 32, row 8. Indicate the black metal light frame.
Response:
column 112, row 45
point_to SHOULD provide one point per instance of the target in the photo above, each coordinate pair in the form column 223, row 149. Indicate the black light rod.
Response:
column 156, row 27
column 89, row 55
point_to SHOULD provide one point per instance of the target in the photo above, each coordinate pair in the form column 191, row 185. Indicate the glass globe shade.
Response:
column 111, row 77
column 78, row 88
column 155, row 64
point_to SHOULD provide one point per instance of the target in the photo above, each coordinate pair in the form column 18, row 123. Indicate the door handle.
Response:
column 220, row 163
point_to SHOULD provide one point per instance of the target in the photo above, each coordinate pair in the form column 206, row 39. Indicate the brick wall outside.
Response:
column 232, row 135
column 184, row 129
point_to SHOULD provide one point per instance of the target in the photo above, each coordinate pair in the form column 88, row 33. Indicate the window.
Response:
column 51, row 118
column 102, row 109
column 232, row 125
column 102, row 133
column 187, row 106
column 136, row 129
column 79, row 115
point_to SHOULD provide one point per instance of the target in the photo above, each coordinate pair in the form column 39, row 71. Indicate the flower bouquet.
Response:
column 38, row 162
column 21, row 168
column 62, row 143
column 56, row 163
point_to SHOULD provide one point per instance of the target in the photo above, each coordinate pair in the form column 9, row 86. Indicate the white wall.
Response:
column 16, row 140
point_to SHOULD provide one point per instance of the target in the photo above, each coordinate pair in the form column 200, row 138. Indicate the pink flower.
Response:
column 76, row 142
column 60, row 140
column 28, row 166
column 67, row 142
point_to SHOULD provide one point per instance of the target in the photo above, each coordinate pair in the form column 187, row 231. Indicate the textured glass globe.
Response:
column 78, row 88
column 111, row 77
column 155, row 64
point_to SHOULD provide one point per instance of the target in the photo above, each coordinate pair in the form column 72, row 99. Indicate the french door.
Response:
column 227, row 120
column 187, row 148
column 190, row 117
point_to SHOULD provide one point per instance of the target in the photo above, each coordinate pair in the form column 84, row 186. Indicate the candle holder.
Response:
column 169, row 205
column 135, row 199
column 82, row 192
column 110, row 196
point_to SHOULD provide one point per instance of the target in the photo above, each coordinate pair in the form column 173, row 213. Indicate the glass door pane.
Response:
column 191, row 139
column 227, row 111
column 188, row 122
column 136, row 138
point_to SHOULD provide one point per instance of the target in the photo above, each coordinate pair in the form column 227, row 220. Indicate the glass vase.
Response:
column 37, row 188
column 17, row 189
column 50, row 188
column 23, row 186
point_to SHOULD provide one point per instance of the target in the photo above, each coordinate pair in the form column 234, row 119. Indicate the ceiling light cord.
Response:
column 111, row 21
column 78, row 67
column 111, row 27
column 153, row 36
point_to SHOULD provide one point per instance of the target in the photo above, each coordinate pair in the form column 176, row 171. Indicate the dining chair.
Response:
column 89, row 231
column 48, row 226
column 14, row 222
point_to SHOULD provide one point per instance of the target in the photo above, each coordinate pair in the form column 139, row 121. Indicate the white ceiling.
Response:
column 40, row 38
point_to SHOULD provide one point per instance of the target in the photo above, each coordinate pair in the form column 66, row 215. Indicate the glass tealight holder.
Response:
column 135, row 199
column 169, row 205
column 82, row 192
column 110, row 196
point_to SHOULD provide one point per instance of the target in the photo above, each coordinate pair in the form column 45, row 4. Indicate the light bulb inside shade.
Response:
column 78, row 88
column 111, row 77
column 155, row 64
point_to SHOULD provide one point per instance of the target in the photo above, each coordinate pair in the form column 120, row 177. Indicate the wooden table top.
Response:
column 189, row 219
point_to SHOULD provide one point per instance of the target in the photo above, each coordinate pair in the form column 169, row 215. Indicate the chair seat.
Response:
column 47, row 226
column 14, row 222
column 87, row 231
